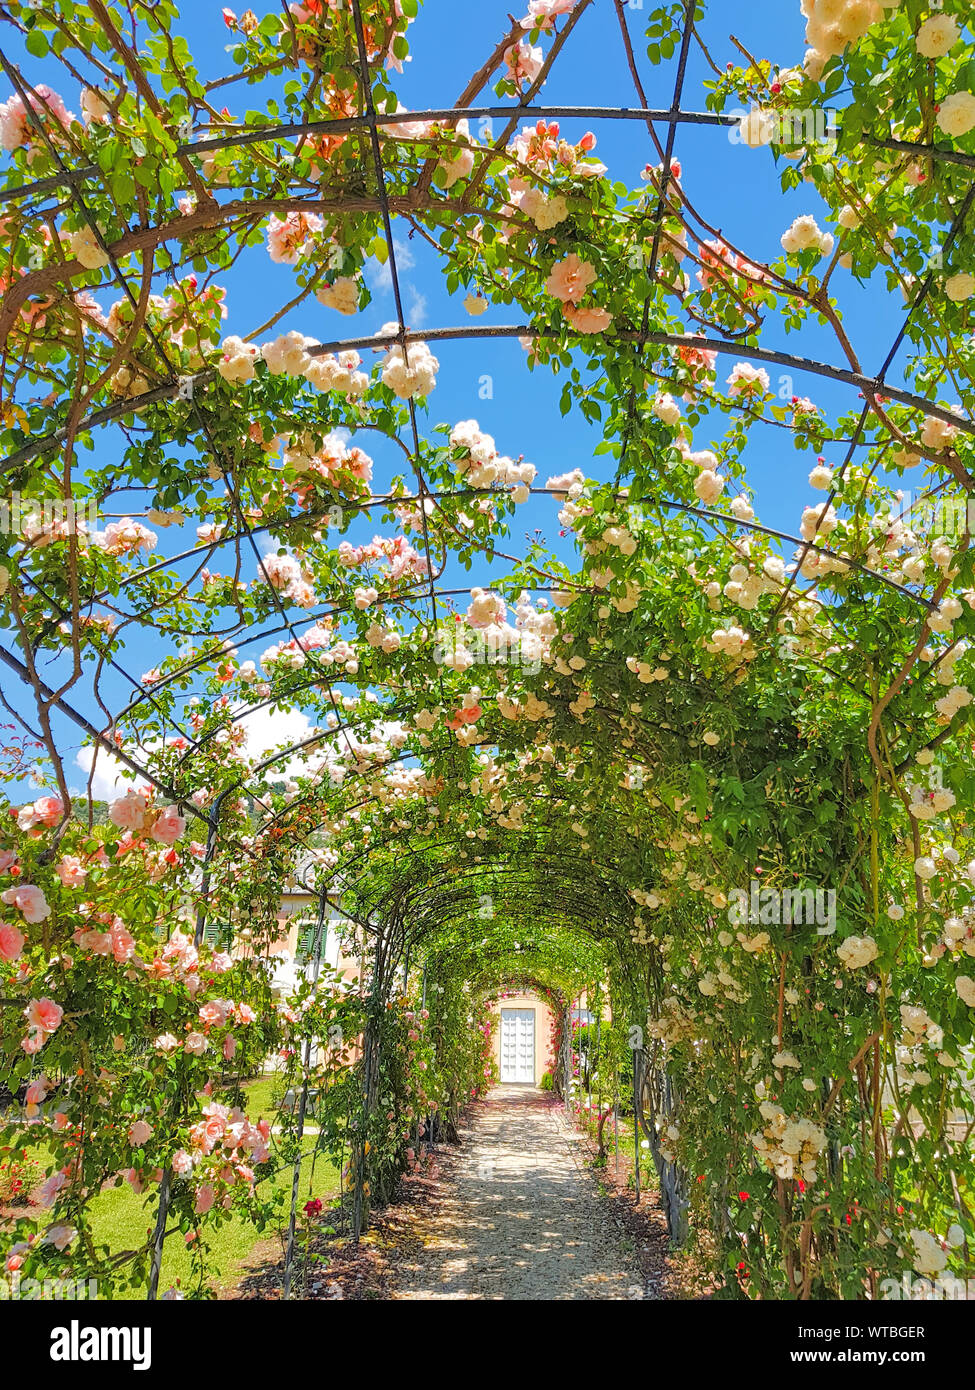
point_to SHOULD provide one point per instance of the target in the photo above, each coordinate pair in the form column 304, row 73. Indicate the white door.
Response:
column 518, row 1045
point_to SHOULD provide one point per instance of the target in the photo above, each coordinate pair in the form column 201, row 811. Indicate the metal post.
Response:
column 637, row 1084
column 302, row 1107
column 159, row 1236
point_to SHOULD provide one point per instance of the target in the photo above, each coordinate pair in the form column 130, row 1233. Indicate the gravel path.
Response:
column 517, row 1215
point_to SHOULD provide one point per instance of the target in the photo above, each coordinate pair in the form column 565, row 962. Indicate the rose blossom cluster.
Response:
column 523, row 62
column 285, row 575
column 542, row 14
column 342, row 295
column 134, row 812
column 806, row 235
column 289, row 237
column 831, row 25
column 126, row 538
column 482, row 466
column 340, row 373
column 790, row 1147
column 16, row 127
column 540, row 147
column 289, row 354
column 345, row 469
column 568, row 281
column 408, row 371
column 224, row 1148
column 44, row 813
column 404, row 560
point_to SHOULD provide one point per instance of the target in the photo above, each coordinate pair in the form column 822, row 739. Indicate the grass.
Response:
column 120, row 1218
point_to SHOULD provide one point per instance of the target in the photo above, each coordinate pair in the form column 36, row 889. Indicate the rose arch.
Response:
column 712, row 770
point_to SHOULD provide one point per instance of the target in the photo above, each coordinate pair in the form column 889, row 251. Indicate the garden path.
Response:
column 518, row 1216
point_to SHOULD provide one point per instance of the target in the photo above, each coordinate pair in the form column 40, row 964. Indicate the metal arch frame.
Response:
column 369, row 120
column 844, row 376
column 372, row 121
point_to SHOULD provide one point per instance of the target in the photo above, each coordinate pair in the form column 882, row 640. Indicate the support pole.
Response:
column 637, row 1085
column 159, row 1236
column 302, row 1107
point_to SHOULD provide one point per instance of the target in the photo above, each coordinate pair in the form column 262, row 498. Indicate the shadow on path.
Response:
column 518, row 1216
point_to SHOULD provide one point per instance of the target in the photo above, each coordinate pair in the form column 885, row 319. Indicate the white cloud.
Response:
column 110, row 779
column 417, row 311
column 379, row 275
column 266, row 729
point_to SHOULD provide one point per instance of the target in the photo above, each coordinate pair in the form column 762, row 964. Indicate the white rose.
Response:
column 929, row 1258
column 666, row 409
column 936, row 35
column 956, row 115
column 960, row 287
column 756, row 128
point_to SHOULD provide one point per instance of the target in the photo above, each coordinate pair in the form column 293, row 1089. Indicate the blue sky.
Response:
column 736, row 189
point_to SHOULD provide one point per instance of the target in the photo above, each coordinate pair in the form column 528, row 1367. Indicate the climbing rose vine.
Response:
column 721, row 767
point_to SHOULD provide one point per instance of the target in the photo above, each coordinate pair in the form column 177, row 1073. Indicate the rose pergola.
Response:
column 617, row 764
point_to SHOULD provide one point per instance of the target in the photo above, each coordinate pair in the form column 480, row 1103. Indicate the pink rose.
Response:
column 587, row 320
column 129, row 811
column 182, row 1163
column 168, row 826
column 213, row 1013
column 60, row 1236
column 36, row 1091
column 44, row 1014
column 49, row 1189
column 166, row 1042
column 29, row 900
column 213, row 1131
column 204, row 1199
column 570, row 279
column 123, row 943
column 229, row 1047
column 196, row 1043
column 46, row 811
column 71, row 871
column 139, row 1133
column 11, row 942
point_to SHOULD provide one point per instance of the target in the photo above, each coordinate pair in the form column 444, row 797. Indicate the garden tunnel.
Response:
column 710, row 770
